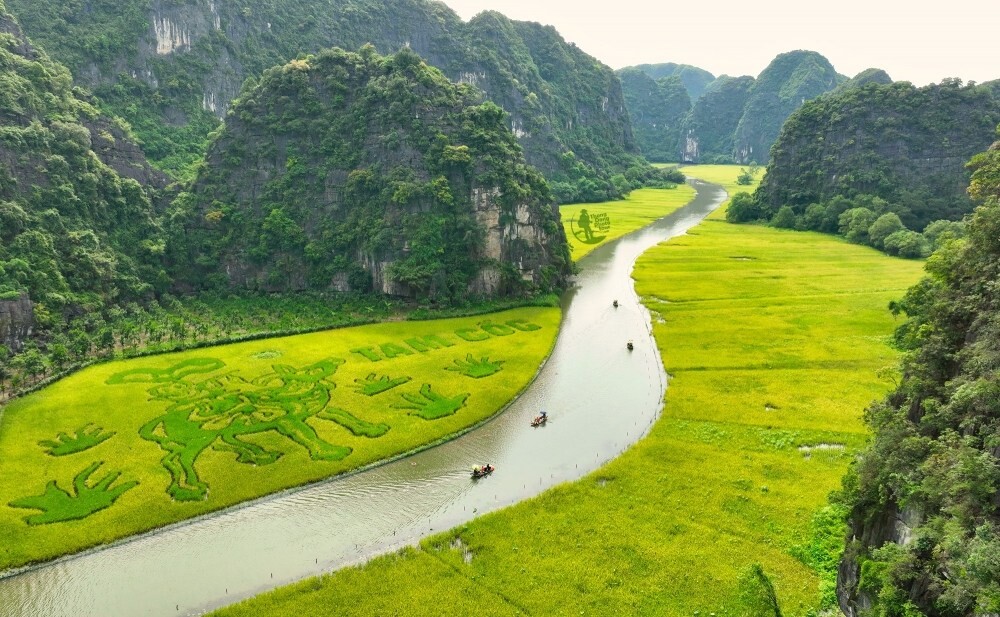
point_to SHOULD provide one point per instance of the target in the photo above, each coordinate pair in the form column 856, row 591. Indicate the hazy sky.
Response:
column 914, row 40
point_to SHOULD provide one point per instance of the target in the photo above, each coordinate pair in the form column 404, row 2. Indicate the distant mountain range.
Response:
column 726, row 119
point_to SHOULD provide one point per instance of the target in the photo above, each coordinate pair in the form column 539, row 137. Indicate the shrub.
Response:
column 743, row 208
column 854, row 224
column 814, row 217
column 906, row 243
column 883, row 227
column 785, row 218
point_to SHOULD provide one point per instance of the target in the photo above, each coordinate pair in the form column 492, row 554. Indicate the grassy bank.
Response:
column 723, row 175
column 614, row 219
column 127, row 446
column 775, row 340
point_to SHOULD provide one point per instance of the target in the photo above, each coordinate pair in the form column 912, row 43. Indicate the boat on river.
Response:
column 483, row 471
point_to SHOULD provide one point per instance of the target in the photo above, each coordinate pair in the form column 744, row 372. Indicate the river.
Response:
column 600, row 397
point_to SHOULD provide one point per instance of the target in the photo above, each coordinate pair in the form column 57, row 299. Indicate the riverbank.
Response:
column 128, row 446
column 287, row 537
column 611, row 220
column 776, row 341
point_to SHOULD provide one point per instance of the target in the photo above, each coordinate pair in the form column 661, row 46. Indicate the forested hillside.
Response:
column 924, row 526
column 98, row 255
column 788, row 82
column 657, row 108
column 727, row 120
column 897, row 142
column 709, row 130
column 889, row 154
column 696, row 80
column 865, row 77
column 356, row 172
column 77, row 222
column 171, row 69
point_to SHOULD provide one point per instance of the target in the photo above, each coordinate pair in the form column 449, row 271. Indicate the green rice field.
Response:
column 127, row 446
column 613, row 219
column 775, row 342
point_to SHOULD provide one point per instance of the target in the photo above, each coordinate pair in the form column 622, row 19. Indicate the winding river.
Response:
column 600, row 397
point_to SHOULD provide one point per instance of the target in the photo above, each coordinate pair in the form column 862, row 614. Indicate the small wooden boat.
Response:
column 482, row 472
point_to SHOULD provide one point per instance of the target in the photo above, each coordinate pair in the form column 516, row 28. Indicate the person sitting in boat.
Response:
column 543, row 416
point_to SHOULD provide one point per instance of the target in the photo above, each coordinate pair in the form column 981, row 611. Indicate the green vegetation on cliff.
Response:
column 709, row 130
column 925, row 529
column 77, row 222
column 657, row 109
column 789, row 81
column 361, row 172
column 696, row 81
column 882, row 165
column 172, row 68
column 730, row 119
column 901, row 143
column 865, row 77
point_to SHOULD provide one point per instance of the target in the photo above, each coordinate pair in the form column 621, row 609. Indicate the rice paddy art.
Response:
column 584, row 225
column 58, row 505
column 476, row 368
column 430, row 405
column 85, row 438
column 221, row 411
column 373, row 384
column 130, row 445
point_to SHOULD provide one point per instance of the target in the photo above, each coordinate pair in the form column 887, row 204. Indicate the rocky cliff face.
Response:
column 890, row 525
column 657, row 109
column 358, row 172
column 708, row 131
column 16, row 322
column 789, row 81
column 167, row 64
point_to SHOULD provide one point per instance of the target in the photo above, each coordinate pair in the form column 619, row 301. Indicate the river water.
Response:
column 600, row 397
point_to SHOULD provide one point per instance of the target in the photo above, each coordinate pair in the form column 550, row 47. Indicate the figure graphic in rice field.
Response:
column 220, row 411
column 584, row 223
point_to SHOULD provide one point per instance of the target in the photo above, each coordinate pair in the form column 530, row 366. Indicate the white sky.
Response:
column 913, row 40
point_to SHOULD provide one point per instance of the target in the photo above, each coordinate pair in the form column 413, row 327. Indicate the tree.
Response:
column 906, row 243
column 854, row 224
column 937, row 233
column 743, row 208
column 79, row 343
column 59, row 354
column 883, row 227
column 785, row 218
column 31, row 362
column 814, row 217
column 4, row 370
column 747, row 175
